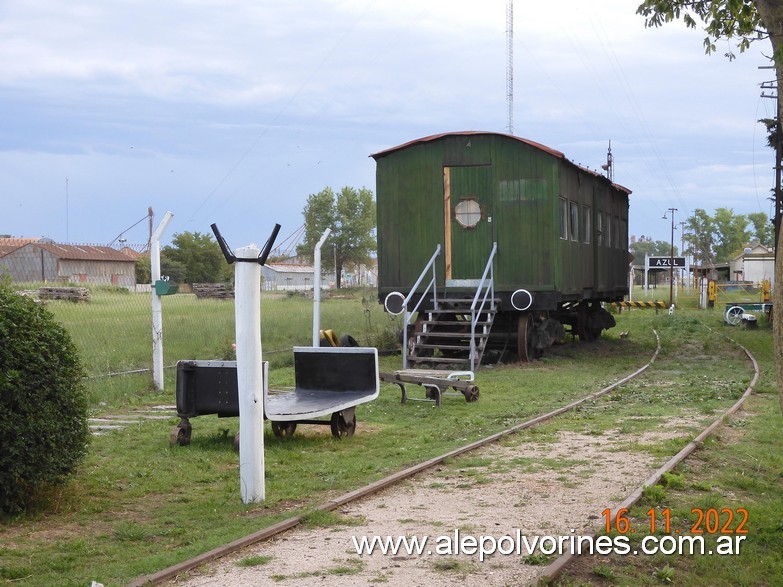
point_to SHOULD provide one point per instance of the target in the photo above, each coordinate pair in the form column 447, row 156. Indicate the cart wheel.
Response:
column 734, row 315
column 340, row 427
column 180, row 435
column 471, row 394
column 283, row 429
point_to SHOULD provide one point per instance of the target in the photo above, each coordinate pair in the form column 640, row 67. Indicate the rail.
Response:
column 487, row 285
column 341, row 501
column 408, row 312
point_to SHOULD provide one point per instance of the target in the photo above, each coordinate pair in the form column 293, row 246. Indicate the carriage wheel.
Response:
column 341, row 427
column 180, row 434
column 734, row 315
column 586, row 334
column 283, row 429
column 524, row 332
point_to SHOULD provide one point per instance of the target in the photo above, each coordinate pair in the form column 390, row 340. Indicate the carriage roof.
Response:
column 433, row 138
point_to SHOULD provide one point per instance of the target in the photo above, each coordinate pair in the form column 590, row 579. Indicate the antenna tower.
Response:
column 510, row 64
column 609, row 167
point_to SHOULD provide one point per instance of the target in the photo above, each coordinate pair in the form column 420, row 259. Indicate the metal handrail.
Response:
column 408, row 313
column 489, row 290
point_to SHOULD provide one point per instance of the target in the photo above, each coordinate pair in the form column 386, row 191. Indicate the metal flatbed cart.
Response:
column 328, row 382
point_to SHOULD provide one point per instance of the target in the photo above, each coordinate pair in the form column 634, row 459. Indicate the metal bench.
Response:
column 328, row 381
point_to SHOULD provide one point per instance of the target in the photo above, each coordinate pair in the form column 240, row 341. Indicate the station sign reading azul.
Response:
column 666, row 262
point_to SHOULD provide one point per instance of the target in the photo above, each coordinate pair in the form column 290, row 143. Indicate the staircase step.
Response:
column 438, row 360
column 460, row 310
column 465, row 323
column 447, row 347
column 479, row 335
column 461, row 300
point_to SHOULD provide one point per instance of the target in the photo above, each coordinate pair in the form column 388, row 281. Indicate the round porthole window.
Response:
column 468, row 213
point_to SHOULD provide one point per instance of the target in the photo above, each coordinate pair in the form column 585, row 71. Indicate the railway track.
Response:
column 393, row 482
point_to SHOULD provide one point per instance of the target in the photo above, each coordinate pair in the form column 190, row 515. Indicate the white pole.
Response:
column 317, row 288
column 247, row 309
column 157, row 307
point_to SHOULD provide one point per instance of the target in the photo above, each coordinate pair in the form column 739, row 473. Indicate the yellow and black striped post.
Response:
column 655, row 304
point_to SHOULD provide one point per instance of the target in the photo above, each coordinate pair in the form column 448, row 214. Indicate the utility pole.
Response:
column 682, row 224
column 671, row 258
column 778, row 146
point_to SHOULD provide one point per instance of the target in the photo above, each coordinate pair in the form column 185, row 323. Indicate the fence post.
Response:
column 317, row 288
column 247, row 308
column 157, row 307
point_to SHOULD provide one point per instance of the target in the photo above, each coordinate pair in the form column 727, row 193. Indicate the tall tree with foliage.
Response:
column 717, row 238
column 196, row 258
column 744, row 21
column 700, row 236
column 351, row 216
column 763, row 229
column 732, row 234
column 650, row 247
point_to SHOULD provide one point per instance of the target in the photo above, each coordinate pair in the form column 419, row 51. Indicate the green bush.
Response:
column 43, row 406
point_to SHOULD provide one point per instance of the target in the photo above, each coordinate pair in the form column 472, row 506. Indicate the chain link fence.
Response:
column 93, row 292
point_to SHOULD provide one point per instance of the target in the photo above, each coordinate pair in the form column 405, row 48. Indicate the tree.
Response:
column 200, row 257
column 650, row 247
column 700, row 236
column 731, row 232
column 351, row 216
column 762, row 228
column 747, row 21
column 718, row 238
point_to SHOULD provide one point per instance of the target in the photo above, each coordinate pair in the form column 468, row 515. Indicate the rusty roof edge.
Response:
column 466, row 133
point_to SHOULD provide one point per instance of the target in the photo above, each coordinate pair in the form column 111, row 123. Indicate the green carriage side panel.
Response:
column 408, row 213
column 578, row 276
column 525, row 217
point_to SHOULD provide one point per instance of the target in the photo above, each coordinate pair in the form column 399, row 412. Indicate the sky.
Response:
column 234, row 112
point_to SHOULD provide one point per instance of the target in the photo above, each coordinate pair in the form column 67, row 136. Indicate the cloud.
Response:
column 257, row 104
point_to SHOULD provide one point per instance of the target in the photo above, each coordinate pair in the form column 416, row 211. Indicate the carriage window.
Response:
column 563, row 219
column 624, row 233
column 608, row 227
column 574, row 221
column 468, row 213
column 616, row 233
column 586, row 224
column 599, row 227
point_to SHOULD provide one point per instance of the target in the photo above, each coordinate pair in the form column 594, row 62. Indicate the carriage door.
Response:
column 467, row 207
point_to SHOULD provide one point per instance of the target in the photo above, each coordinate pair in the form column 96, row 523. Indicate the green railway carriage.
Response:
column 549, row 237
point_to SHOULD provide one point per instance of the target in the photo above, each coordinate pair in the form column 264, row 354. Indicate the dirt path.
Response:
column 103, row 424
column 554, row 488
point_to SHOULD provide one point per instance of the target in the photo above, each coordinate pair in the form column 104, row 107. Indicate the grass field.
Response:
column 138, row 505
column 113, row 332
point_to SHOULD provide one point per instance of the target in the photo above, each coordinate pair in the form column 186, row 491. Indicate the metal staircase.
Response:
column 454, row 331
column 450, row 336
